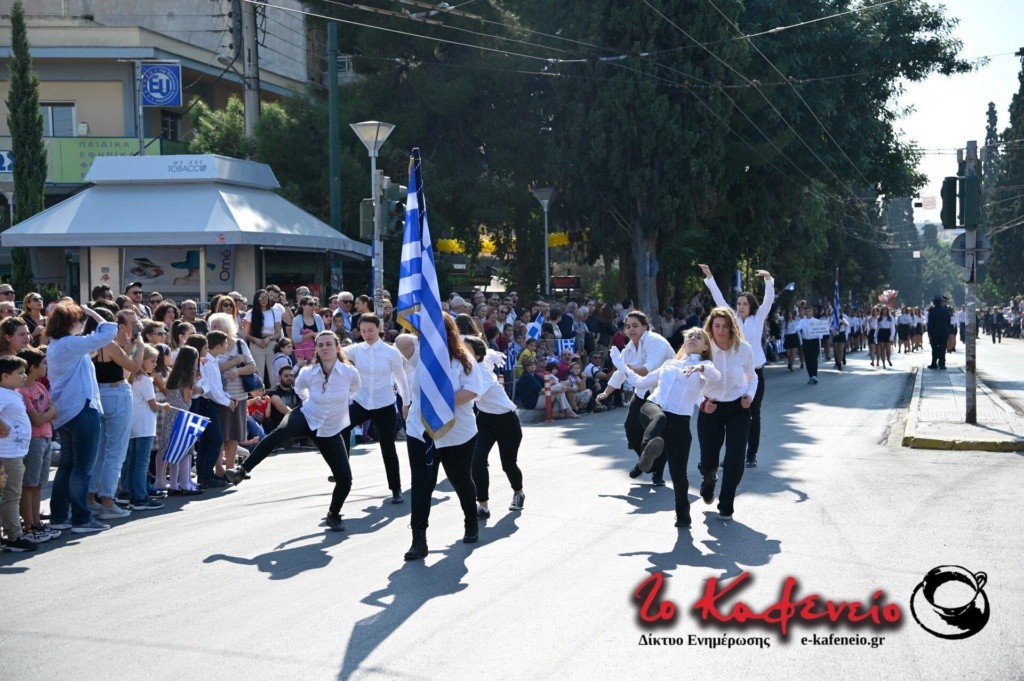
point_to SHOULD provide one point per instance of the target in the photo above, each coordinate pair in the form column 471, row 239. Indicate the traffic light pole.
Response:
column 971, row 278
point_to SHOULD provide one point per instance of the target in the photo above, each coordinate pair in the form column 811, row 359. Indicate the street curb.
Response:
column 913, row 441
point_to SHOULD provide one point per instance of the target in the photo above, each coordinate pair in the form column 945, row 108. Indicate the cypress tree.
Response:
column 25, row 121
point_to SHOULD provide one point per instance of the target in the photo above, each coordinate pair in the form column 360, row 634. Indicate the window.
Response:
column 58, row 120
column 170, row 125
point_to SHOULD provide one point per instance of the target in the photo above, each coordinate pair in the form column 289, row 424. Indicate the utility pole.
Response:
column 334, row 125
column 971, row 277
column 250, row 67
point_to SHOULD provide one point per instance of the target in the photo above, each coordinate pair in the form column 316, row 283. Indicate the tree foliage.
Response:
column 25, row 120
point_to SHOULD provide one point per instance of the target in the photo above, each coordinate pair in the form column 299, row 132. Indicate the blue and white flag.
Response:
column 533, row 328
column 791, row 286
column 511, row 355
column 566, row 344
column 186, row 430
column 419, row 310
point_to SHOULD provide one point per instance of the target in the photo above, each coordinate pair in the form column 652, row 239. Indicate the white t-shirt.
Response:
column 270, row 318
column 143, row 416
column 14, row 414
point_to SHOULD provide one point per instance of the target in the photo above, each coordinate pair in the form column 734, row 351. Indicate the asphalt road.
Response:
column 246, row 584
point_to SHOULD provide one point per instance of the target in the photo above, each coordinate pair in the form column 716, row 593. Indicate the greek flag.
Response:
column 790, row 286
column 566, row 344
column 186, row 430
column 533, row 328
column 511, row 355
column 419, row 310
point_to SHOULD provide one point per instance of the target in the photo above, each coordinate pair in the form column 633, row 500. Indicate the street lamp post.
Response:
column 373, row 134
column 545, row 196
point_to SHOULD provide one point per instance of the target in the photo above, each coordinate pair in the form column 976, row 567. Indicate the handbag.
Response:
column 250, row 382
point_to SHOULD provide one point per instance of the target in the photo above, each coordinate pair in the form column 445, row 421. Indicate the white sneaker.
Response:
column 113, row 513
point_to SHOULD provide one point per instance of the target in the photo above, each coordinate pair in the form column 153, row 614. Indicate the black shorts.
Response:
column 840, row 337
column 885, row 335
column 903, row 331
column 791, row 341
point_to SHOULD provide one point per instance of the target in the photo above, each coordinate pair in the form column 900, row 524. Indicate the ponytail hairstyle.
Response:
column 456, row 348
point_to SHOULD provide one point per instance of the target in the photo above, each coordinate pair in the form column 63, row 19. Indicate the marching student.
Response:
column 645, row 351
column 666, row 414
column 886, row 327
column 324, row 387
column 810, row 344
column 791, row 339
column 453, row 450
column 496, row 421
column 752, row 317
column 380, row 368
column 725, row 413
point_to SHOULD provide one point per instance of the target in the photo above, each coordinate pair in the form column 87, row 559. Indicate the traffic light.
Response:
column 366, row 219
column 393, row 208
column 949, row 207
column 970, row 201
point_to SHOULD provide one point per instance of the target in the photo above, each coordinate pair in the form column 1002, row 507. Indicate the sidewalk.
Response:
column 937, row 411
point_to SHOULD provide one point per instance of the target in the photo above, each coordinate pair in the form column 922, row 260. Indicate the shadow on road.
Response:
column 646, row 498
column 410, row 588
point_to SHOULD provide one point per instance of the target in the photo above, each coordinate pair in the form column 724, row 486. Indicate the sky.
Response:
column 950, row 110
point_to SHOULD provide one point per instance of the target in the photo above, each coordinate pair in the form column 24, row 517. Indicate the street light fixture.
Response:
column 373, row 134
column 546, row 195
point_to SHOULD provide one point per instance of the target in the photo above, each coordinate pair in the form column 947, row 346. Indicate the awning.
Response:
column 179, row 201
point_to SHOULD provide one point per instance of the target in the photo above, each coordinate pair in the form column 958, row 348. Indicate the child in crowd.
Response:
column 180, row 389
column 160, row 374
column 37, row 464
column 15, row 436
column 144, row 411
column 283, row 357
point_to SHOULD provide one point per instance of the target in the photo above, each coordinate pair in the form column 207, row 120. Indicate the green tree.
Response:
column 25, row 121
column 939, row 274
column 1006, row 205
column 220, row 131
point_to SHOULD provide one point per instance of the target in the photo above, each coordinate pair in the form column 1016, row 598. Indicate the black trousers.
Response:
column 754, row 440
column 209, row 445
column 332, row 448
column 457, row 461
column 634, row 428
column 938, row 344
column 384, row 420
column 811, row 350
column 506, row 430
column 729, row 423
column 654, row 420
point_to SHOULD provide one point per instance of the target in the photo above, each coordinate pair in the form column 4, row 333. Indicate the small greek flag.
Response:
column 186, row 430
column 835, row 302
column 566, row 344
column 419, row 311
column 791, row 286
column 511, row 355
column 533, row 328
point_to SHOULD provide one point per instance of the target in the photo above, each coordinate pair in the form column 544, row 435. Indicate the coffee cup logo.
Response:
column 950, row 602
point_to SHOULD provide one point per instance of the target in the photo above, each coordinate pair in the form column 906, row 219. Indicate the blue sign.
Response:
column 161, row 85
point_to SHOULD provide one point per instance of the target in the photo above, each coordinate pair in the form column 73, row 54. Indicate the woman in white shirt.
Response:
column 496, row 422
column 324, row 387
column 752, row 317
column 453, row 449
column 666, row 414
column 261, row 328
column 725, row 413
column 791, row 339
column 886, row 326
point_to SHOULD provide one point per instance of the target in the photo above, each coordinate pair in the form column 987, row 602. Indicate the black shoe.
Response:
column 397, row 498
column 932, row 366
column 707, row 487
column 335, row 523
column 652, row 450
column 214, row 483
column 482, row 512
column 752, row 461
column 683, row 522
column 418, row 550
column 635, row 473
column 235, row 476
column 472, row 531
column 330, row 478
column 658, row 481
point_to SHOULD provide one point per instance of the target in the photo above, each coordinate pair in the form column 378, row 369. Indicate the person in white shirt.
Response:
column 452, row 449
column 840, row 331
column 324, row 387
column 903, row 325
column 725, row 413
column 752, row 316
column 261, row 329
column 496, row 422
column 380, row 368
column 207, row 395
column 810, row 344
column 886, row 330
column 666, row 414
column 645, row 352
